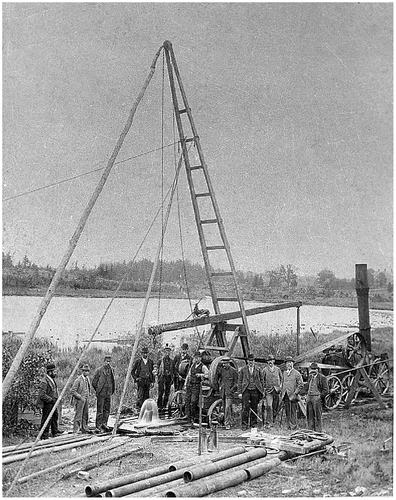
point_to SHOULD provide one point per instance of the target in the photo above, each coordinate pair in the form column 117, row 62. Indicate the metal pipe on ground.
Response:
column 146, row 479
column 19, row 448
column 227, row 463
column 70, row 462
column 22, row 456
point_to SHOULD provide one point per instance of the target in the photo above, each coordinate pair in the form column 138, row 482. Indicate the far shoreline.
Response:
column 102, row 294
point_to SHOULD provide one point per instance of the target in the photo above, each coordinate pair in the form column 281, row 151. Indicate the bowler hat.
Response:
column 184, row 346
column 50, row 367
column 167, row 347
column 198, row 353
column 289, row 358
column 85, row 367
column 271, row 356
column 251, row 356
column 145, row 350
column 314, row 366
column 107, row 357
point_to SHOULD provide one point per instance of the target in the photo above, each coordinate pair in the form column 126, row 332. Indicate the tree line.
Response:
column 182, row 277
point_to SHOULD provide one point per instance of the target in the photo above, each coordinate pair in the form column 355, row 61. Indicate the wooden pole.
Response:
column 69, row 462
column 146, row 301
column 74, row 240
column 298, row 331
column 362, row 291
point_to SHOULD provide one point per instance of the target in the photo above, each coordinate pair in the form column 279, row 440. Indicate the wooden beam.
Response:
column 217, row 318
column 320, row 348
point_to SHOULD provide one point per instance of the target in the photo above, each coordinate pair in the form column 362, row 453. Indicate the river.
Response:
column 71, row 320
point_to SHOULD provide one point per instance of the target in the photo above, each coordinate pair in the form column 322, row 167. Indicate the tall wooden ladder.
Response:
column 204, row 225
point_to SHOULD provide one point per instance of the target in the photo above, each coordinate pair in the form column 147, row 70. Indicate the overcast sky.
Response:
column 293, row 106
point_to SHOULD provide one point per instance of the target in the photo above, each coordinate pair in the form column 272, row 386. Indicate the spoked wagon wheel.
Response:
column 347, row 384
column 333, row 398
column 379, row 374
column 176, row 405
column 216, row 412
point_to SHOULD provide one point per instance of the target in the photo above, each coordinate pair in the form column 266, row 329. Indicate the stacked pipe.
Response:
column 140, row 481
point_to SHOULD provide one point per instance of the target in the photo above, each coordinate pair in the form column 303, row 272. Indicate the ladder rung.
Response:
column 182, row 111
column 216, row 247
column 191, row 139
column 215, row 348
column 222, row 273
column 199, row 195
column 227, row 299
column 196, row 167
column 209, row 221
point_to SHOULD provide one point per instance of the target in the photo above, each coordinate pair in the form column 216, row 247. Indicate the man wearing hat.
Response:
column 181, row 365
column 104, row 384
column 292, row 385
column 47, row 397
column 81, row 390
column 165, row 377
column 318, row 388
column 143, row 375
column 272, row 376
column 251, row 390
column 197, row 372
column 227, row 380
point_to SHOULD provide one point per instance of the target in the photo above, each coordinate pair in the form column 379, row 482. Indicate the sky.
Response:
column 292, row 103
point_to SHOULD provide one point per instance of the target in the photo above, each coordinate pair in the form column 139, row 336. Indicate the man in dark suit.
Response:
column 181, row 365
column 143, row 375
column 104, row 384
column 47, row 397
column 250, row 389
column 292, row 385
column 317, row 389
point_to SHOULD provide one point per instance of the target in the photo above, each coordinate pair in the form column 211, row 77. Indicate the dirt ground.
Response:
column 321, row 476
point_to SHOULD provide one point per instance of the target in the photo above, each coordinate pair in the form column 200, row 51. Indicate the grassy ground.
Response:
column 366, row 465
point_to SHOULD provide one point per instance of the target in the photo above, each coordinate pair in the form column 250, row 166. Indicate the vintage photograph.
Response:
column 197, row 255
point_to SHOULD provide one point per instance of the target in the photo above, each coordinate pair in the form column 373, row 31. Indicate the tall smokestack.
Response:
column 362, row 291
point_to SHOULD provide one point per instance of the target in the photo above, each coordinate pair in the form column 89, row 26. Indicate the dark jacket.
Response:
column 102, row 375
column 243, row 379
column 323, row 386
column 165, row 368
column 136, row 369
column 48, row 392
column 227, row 382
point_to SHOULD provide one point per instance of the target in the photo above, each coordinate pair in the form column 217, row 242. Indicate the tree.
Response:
column 370, row 277
column 7, row 260
column 288, row 276
column 381, row 280
column 326, row 279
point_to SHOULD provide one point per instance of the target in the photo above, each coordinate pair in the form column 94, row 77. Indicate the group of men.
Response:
column 103, row 383
column 274, row 387
column 252, row 384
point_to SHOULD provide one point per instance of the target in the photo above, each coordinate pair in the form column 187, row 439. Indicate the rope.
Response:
column 86, row 173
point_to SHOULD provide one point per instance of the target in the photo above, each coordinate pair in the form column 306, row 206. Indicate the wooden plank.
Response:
column 320, row 348
column 216, row 318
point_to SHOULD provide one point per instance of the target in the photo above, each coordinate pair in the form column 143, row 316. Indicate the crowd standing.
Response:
column 275, row 389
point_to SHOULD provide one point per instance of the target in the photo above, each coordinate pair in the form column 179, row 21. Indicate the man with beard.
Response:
column 318, row 388
column 250, row 389
column 228, row 383
column 165, row 377
column 81, row 391
column 47, row 397
column 197, row 372
column 143, row 375
column 104, row 384
column 292, row 385
column 181, row 364
column 272, row 385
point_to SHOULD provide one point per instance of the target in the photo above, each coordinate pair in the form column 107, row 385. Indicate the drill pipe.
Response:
column 92, row 490
column 16, row 458
column 227, row 463
column 226, row 479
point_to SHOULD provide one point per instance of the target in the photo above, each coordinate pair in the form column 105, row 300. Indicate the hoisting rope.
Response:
column 146, row 301
column 162, row 187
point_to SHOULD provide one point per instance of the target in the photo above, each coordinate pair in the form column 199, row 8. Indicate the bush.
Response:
column 24, row 388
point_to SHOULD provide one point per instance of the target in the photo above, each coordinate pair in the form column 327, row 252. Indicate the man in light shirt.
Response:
column 272, row 376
